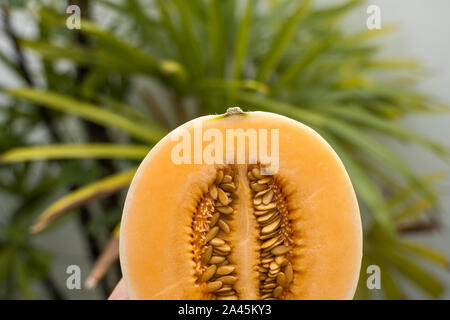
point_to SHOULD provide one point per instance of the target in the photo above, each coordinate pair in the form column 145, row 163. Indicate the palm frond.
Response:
column 79, row 197
column 74, row 151
column 88, row 111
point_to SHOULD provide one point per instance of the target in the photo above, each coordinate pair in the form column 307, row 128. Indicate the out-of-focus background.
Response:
column 80, row 108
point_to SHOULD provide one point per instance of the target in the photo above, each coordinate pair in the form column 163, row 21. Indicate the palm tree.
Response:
column 105, row 94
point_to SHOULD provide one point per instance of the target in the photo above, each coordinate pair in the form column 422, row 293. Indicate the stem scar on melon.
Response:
column 226, row 231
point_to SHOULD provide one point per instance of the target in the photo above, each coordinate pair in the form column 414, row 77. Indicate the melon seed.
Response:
column 263, row 207
column 213, row 191
column 227, row 179
column 225, row 210
column 280, row 260
column 258, row 187
column 269, row 286
column 260, row 213
column 280, row 250
column 289, row 273
column 271, row 227
column 267, row 198
column 225, row 288
column 281, row 279
column 227, row 279
column 224, row 226
column 219, row 177
column 214, row 218
column 207, row 255
column 256, row 173
column 279, row 241
column 264, row 180
column 224, row 270
column 225, row 292
column 214, row 286
column 211, row 234
column 266, row 217
column 224, row 248
column 261, row 193
column 223, row 198
column 277, row 291
column 268, row 236
column 269, row 242
column 216, row 242
column 228, row 187
column 216, row 259
column 209, row 273
column 274, row 266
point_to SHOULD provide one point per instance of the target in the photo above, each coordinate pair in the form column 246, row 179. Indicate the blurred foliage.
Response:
column 104, row 94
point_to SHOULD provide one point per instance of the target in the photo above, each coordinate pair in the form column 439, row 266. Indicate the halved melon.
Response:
column 243, row 226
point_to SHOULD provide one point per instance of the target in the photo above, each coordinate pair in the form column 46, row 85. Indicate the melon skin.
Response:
column 155, row 241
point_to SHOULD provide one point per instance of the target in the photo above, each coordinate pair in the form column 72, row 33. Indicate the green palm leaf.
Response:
column 88, row 111
column 390, row 288
column 292, row 72
column 404, row 193
column 280, row 42
column 240, row 49
column 72, row 151
column 425, row 252
column 217, row 39
column 81, row 196
column 362, row 117
column 96, row 58
column 415, row 273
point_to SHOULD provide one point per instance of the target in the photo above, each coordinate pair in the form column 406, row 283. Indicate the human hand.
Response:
column 119, row 292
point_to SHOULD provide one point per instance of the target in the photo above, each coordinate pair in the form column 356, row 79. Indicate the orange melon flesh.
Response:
column 155, row 241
